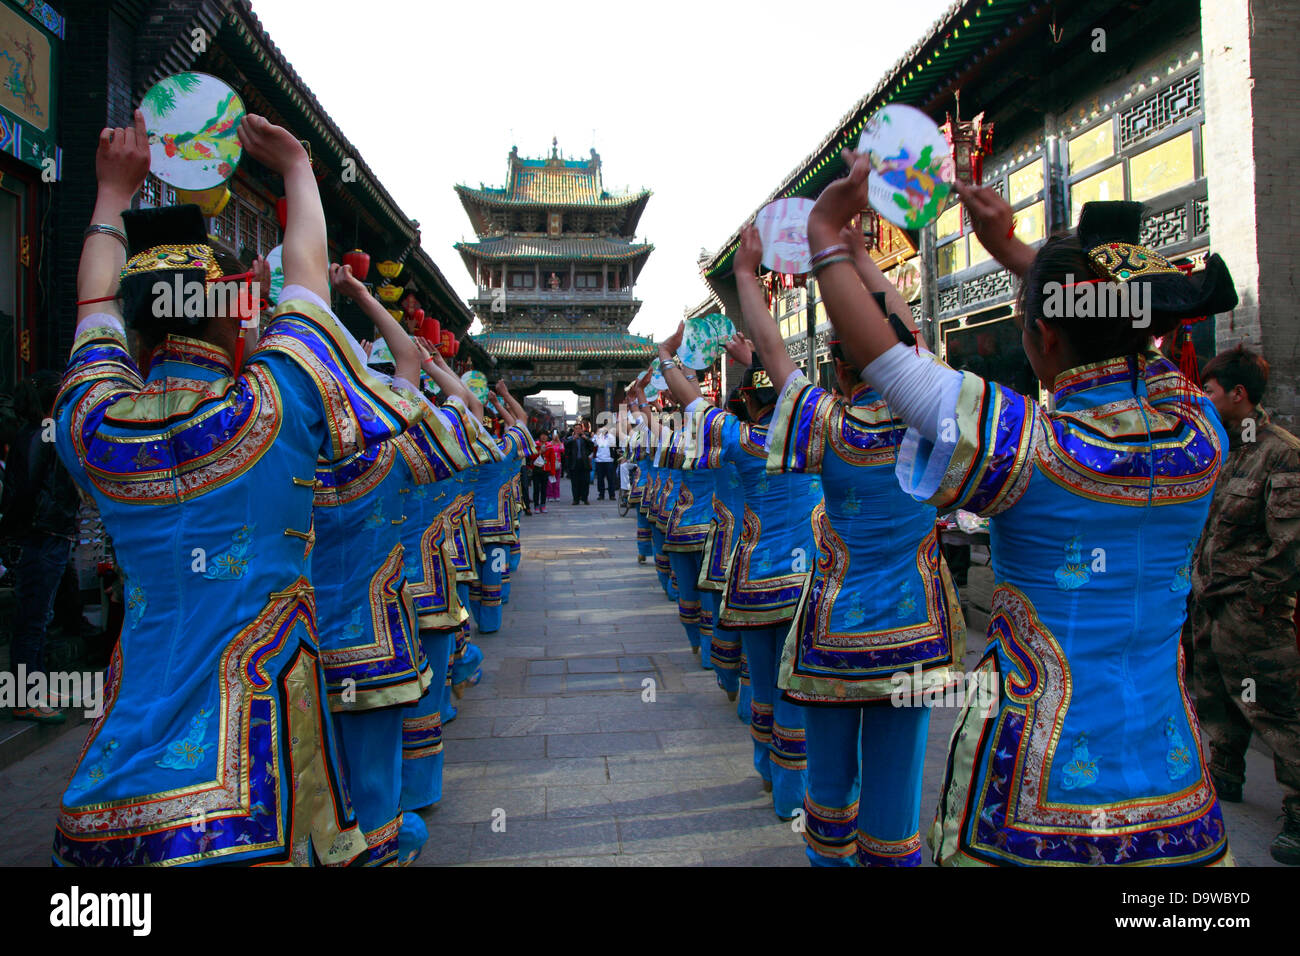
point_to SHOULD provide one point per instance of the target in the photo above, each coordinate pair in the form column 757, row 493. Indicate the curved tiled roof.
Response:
column 541, row 247
column 560, row 346
column 551, row 194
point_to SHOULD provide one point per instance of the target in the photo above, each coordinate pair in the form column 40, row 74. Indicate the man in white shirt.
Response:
column 605, row 465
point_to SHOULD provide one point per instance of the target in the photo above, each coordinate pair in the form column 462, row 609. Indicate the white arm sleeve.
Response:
column 919, row 390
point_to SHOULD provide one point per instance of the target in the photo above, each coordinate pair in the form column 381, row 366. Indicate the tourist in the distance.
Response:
column 604, row 460
column 578, row 451
column 538, row 474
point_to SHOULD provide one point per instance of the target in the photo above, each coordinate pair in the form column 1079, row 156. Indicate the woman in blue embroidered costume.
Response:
column 880, row 602
column 370, row 646
column 667, row 485
column 431, row 454
column 772, row 560
column 1069, row 758
column 494, row 507
column 685, row 529
column 638, row 450
column 202, row 459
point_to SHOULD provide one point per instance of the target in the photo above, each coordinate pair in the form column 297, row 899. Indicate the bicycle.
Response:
column 625, row 494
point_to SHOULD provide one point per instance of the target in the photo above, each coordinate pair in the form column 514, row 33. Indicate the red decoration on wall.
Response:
column 282, row 211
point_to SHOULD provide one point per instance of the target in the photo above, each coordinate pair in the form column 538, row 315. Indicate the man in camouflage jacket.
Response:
column 1247, row 572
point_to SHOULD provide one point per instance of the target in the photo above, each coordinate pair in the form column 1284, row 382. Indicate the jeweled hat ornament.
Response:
column 170, row 243
column 1110, row 233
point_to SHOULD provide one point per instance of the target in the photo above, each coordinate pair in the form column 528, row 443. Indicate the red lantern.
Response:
column 282, row 211
column 447, row 346
column 970, row 141
column 360, row 263
column 431, row 330
column 455, row 346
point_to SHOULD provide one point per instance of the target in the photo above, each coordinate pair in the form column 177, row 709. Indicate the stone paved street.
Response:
column 558, row 738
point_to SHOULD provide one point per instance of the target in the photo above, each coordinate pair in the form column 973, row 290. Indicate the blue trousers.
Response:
column 744, row 705
column 724, row 650
column 516, row 553
column 644, row 543
column 663, row 567
column 42, row 559
column 686, row 569
column 864, row 784
column 487, row 609
column 422, row 728
column 775, row 724
column 370, row 745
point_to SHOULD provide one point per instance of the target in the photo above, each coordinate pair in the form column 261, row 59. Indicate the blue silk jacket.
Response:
column 897, row 609
column 638, row 451
column 774, row 557
column 724, row 528
column 432, row 454
column 1085, row 750
column 494, row 486
column 370, row 645
column 216, row 743
column 687, row 525
column 670, row 483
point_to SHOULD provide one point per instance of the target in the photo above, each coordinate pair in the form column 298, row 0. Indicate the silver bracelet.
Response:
column 103, row 228
column 667, row 365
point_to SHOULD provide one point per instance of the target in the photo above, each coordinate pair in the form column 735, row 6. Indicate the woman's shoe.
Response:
column 732, row 695
column 41, row 715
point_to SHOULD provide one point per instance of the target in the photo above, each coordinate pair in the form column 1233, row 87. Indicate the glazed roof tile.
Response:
column 558, row 346
column 542, row 247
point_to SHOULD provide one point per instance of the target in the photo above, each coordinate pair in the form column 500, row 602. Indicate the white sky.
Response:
column 709, row 104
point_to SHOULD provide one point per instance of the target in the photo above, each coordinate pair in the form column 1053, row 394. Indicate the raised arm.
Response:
column 861, row 326
column 121, row 165
column 684, row 389
column 503, row 410
column 995, row 227
column 870, row 274
column 305, row 250
column 758, row 320
column 406, row 355
column 511, row 402
column 450, row 383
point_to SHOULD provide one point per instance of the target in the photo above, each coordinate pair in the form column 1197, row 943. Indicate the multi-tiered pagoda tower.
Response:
column 556, row 266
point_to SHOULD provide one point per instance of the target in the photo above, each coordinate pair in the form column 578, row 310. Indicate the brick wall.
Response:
column 96, row 90
column 1252, row 99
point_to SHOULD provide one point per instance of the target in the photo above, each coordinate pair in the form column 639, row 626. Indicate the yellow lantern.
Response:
column 388, row 292
column 389, row 269
column 395, row 313
column 210, row 201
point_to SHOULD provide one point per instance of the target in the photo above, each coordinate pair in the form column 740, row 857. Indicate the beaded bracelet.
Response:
column 828, row 251
column 828, row 262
